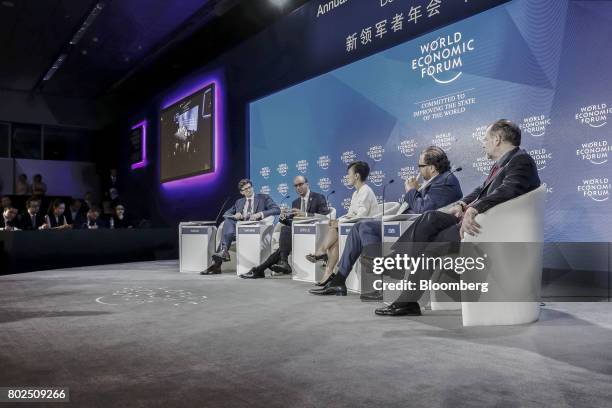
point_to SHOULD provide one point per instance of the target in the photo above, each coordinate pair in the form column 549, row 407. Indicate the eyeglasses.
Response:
column 242, row 190
column 424, row 165
column 298, row 185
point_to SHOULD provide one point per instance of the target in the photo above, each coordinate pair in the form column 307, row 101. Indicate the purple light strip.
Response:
column 143, row 162
column 182, row 92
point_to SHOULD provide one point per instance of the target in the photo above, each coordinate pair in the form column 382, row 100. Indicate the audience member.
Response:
column 5, row 202
column 88, row 202
column 93, row 219
column 22, row 187
column 39, row 188
column 9, row 219
column 31, row 219
column 56, row 218
column 75, row 215
column 120, row 219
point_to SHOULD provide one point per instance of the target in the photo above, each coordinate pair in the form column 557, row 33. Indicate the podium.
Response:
column 305, row 239
column 253, row 244
column 196, row 245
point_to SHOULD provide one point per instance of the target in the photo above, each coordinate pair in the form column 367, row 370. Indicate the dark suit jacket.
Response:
column 518, row 175
column 262, row 203
column 78, row 220
column 444, row 189
column 25, row 221
column 317, row 204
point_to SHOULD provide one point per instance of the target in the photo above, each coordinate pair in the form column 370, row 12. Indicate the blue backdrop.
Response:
column 541, row 63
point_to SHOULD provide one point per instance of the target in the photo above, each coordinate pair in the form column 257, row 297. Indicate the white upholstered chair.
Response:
column 515, row 268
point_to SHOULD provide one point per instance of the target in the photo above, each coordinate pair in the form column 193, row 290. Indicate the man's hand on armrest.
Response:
column 469, row 224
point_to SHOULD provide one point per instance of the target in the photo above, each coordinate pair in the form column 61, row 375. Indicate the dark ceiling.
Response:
column 129, row 39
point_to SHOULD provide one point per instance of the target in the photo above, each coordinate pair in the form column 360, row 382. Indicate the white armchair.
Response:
column 517, row 268
column 390, row 208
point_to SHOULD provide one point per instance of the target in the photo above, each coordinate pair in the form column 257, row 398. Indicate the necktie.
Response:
column 33, row 221
column 303, row 206
column 493, row 172
column 249, row 208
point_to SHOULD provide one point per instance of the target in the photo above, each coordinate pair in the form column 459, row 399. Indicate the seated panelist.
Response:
column 251, row 206
column 441, row 188
column 363, row 204
column 513, row 173
column 307, row 204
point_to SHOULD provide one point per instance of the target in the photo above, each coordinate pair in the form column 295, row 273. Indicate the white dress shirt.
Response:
column 305, row 201
column 363, row 203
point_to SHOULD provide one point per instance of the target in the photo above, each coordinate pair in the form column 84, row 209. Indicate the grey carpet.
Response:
column 268, row 343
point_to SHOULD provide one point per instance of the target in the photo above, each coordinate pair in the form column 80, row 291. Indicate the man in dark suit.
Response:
column 441, row 188
column 31, row 219
column 253, row 207
column 8, row 221
column 93, row 220
column 307, row 204
column 75, row 215
column 514, row 173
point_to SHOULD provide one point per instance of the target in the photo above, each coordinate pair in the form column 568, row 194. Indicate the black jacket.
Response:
column 316, row 205
column 54, row 223
column 25, row 221
column 518, row 175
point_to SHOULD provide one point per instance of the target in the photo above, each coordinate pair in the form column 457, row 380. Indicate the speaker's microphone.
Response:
column 383, row 196
column 455, row 170
column 327, row 196
column 222, row 208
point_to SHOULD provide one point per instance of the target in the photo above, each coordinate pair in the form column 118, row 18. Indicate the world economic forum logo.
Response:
column 407, row 147
column 479, row 133
column 282, row 169
column 377, row 177
column 348, row 157
column 265, row 172
column 441, row 58
column 323, row 162
column 444, row 141
column 345, row 182
column 324, row 184
column 597, row 189
column 376, row 152
column 282, row 189
column 346, row 203
column 302, row 166
column 264, row 190
column 595, row 152
column 541, row 157
column 483, row 165
column 379, row 199
column 595, row 116
column 535, row 125
column 407, row 172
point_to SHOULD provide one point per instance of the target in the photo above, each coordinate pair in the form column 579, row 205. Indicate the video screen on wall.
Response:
column 187, row 136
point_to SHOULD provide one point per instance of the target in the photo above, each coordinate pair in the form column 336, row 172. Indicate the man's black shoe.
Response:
column 375, row 296
column 221, row 256
column 253, row 274
column 335, row 286
column 404, row 309
column 213, row 269
column 282, row 268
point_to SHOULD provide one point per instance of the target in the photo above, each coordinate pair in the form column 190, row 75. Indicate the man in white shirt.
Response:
column 363, row 205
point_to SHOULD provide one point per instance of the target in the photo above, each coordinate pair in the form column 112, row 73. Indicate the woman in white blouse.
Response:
column 363, row 205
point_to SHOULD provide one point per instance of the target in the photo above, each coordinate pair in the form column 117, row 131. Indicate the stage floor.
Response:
column 145, row 335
